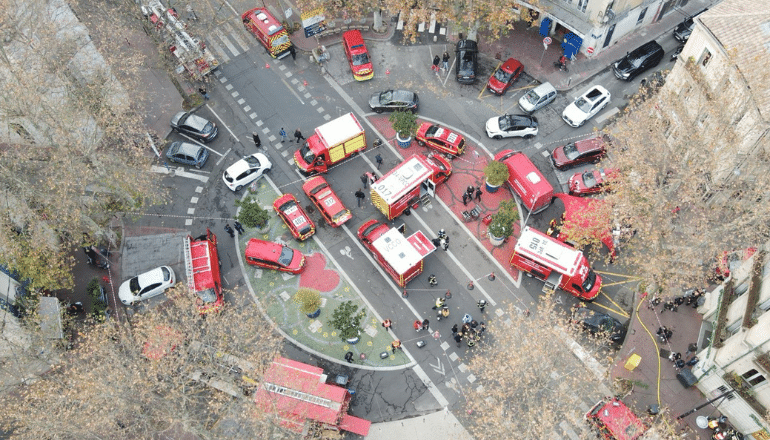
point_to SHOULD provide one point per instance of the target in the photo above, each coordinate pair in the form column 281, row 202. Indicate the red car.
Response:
column 325, row 199
column 358, row 57
column 274, row 256
column 579, row 152
column 440, row 138
column 290, row 211
column 591, row 182
column 506, row 75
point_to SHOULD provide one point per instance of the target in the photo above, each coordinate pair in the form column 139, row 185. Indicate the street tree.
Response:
column 687, row 190
column 73, row 149
column 168, row 371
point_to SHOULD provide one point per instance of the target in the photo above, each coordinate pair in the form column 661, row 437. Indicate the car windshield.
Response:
column 307, row 154
column 208, row 128
column 360, row 59
column 503, row 76
column 288, row 205
column 252, row 162
column 588, row 284
column 431, row 131
column 532, row 97
column 583, row 105
column 571, row 151
column 589, row 180
column 386, row 97
column 207, row 296
column 287, row 254
column 466, row 62
column 134, row 285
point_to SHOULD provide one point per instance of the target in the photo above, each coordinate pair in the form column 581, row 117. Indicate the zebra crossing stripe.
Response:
column 234, row 35
column 221, row 54
column 227, row 43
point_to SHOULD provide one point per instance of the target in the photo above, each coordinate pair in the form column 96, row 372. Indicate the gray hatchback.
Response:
column 188, row 154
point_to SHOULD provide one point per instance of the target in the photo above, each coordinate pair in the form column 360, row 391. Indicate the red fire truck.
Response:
column 400, row 256
column 268, row 31
column 202, row 264
column 556, row 263
column 613, row 420
column 331, row 143
column 411, row 182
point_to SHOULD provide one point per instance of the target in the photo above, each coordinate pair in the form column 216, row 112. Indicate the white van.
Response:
column 537, row 98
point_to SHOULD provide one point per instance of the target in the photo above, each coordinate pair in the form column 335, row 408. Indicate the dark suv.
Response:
column 642, row 58
column 467, row 53
column 683, row 30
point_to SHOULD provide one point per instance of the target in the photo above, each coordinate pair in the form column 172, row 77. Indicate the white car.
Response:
column 246, row 170
column 586, row 106
column 512, row 126
column 146, row 285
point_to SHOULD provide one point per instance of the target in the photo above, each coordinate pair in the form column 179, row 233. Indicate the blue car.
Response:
column 188, row 154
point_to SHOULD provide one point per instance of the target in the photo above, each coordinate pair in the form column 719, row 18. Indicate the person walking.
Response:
column 257, row 141
column 465, row 199
column 364, row 180
column 239, row 227
column 298, row 135
column 478, row 194
column 458, row 339
column 205, row 93
column 454, row 329
column 229, row 230
column 395, row 345
column 426, row 324
column 436, row 60
column 378, row 159
column 387, row 324
column 284, row 138
column 293, row 52
column 445, row 61
column 470, row 190
column 439, row 303
column 481, row 305
column 360, row 196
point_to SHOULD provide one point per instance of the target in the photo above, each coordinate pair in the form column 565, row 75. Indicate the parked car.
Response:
column 188, row 154
column 325, row 199
column 683, row 30
column 591, row 182
column 358, row 56
column 579, row 152
column 440, row 138
column 512, row 126
column 506, row 75
column 586, row 106
column 467, row 53
column 146, row 285
column 194, row 126
column 274, row 256
column 246, row 170
column 290, row 211
column 676, row 52
column 599, row 323
column 537, row 98
column 640, row 59
column 391, row 100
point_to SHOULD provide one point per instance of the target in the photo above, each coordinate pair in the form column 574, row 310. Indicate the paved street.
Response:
column 253, row 92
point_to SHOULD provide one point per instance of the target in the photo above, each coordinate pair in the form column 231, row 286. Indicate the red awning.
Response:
column 355, row 425
column 578, row 211
column 421, row 243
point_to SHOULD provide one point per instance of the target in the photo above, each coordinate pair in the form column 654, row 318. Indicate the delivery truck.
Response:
column 331, row 143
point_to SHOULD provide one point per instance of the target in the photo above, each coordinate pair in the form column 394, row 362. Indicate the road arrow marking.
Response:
column 438, row 368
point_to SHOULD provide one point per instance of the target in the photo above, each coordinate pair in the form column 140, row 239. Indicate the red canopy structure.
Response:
column 582, row 212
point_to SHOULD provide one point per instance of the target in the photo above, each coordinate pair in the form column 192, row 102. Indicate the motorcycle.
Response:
column 100, row 259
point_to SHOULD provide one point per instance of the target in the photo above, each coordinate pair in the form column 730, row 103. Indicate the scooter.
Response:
column 560, row 66
column 100, row 260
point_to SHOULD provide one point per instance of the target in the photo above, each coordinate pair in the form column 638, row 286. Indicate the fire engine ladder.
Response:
column 327, row 403
column 551, row 283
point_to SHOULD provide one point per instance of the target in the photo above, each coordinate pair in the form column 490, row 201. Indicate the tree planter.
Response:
column 405, row 142
column 496, row 241
column 353, row 341
column 491, row 188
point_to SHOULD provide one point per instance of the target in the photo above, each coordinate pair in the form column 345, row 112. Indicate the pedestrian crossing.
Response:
column 227, row 42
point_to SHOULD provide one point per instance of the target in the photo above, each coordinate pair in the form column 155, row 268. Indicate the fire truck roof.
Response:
column 400, row 252
column 402, row 179
column 266, row 22
column 548, row 251
column 339, row 130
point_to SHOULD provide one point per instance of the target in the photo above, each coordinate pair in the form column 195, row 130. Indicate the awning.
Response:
column 581, row 211
column 355, row 425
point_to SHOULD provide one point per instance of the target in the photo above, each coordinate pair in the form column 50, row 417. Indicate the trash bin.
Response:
column 633, row 362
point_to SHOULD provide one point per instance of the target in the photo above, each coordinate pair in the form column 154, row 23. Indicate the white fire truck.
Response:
column 191, row 52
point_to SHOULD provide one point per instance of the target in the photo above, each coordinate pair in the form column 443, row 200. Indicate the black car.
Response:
column 642, row 58
column 467, row 53
column 683, row 30
column 391, row 100
column 599, row 323
column 194, row 126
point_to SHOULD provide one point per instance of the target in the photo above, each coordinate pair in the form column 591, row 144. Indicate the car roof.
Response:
column 511, row 65
column 522, row 119
column 544, row 89
column 196, row 122
column 467, row 45
column 590, row 144
column 403, row 95
column 240, row 166
column 264, row 250
column 595, row 92
column 185, row 148
column 151, row 277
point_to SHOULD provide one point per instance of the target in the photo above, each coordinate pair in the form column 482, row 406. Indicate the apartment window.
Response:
column 641, row 16
column 705, row 57
column 753, row 377
column 582, row 5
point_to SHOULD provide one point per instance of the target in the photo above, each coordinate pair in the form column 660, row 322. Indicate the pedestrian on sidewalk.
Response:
column 378, row 159
column 364, row 180
column 417, row 325
column 205, row 93
column 454, row 329
column 349, row 357
column 395, row 345
column 445, row 61
column 293, row 52
column 426, row 324
column 229, row 230
column 387, row 324
column 298, row 135
column 432, row 280
column 284, row 138
column 481, row 305
column 465, row 199
column 239, row 227
column 470, row 190
column 458, row 338
column 478, row 194
column 360, row 196
column 436, row 60
column 257, row 141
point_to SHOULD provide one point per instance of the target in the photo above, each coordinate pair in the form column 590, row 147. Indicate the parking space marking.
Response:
column 188, row 222
column 190, row 211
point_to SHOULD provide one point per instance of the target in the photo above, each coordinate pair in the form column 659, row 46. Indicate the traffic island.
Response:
column 275, row 293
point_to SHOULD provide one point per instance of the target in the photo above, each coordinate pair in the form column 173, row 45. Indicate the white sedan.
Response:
column 146, row 285
column 246, row 170
column 586, row 106
column 512, row 126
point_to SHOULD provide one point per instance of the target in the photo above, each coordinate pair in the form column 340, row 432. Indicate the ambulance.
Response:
column 526, row 181
column 269, row 31
column 557, row 264
column 331, row 143
column 400, row 256
column 411, row 182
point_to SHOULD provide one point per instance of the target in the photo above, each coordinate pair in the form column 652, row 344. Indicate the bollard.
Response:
column 471, row 286
column 267, row 65
column 405, row 294
column 448, row 294
column 491, row 276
